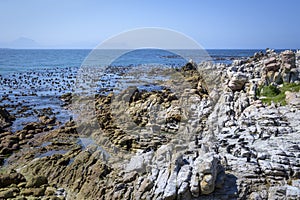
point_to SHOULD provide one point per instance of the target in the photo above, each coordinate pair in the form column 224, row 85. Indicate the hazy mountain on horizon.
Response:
column 28, row 43
column 21, row 43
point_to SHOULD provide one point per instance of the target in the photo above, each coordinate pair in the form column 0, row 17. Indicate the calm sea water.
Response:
column 31, row 81
column 13, row 60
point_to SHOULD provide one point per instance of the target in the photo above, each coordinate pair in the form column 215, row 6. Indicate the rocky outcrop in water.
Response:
column 5, row 119
column 14, row 185
column 216, row 140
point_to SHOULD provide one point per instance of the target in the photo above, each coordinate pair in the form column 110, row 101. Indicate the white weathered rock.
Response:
column 139, row 162
column 171, row 188
column 183, row 176
column 284, row 192
column 161, row 181
column 237, row 81
column 293, row 98
column 194, row 185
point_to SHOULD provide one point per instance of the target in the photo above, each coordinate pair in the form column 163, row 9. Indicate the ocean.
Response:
column 15, row 60
column 31, row 81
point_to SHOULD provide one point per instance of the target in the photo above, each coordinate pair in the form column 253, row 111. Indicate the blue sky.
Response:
column 213, row 24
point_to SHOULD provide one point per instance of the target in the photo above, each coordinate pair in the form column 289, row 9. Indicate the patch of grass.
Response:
column 292, row 87
column 270, row 93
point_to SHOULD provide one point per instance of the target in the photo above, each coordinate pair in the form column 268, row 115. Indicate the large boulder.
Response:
column 288, row 59
column 271, row 64
column 280, row 68
column 288, row 63
column 298, row 58
column 237, row 81
column 207, row 167
column 293, row 98
column 6, row 179
column 36, row 181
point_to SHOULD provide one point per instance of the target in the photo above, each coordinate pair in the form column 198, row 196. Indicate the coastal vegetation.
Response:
column 276, row 94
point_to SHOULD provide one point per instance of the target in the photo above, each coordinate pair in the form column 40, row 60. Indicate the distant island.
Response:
column 21, row 43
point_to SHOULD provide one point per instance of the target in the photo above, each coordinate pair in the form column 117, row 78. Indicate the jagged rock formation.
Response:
column 216, row 140
column 260, row 142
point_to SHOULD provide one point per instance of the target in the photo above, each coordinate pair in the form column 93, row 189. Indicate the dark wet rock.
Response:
column 5, row 118
column 8, row 146
column 66, row 98
column 36, row 181
column 12, row 177
column 36, row 192
column 47, row 120
column 8, row 193
column 9, row 143
column 32, row 126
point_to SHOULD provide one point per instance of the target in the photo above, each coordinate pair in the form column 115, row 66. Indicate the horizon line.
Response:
column 7, row 48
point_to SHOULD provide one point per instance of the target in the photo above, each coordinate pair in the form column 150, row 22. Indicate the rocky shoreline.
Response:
column 226, row 136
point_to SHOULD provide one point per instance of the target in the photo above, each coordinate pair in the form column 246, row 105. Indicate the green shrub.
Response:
column 292, row 87
column 269, row 91
column 275, row 94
